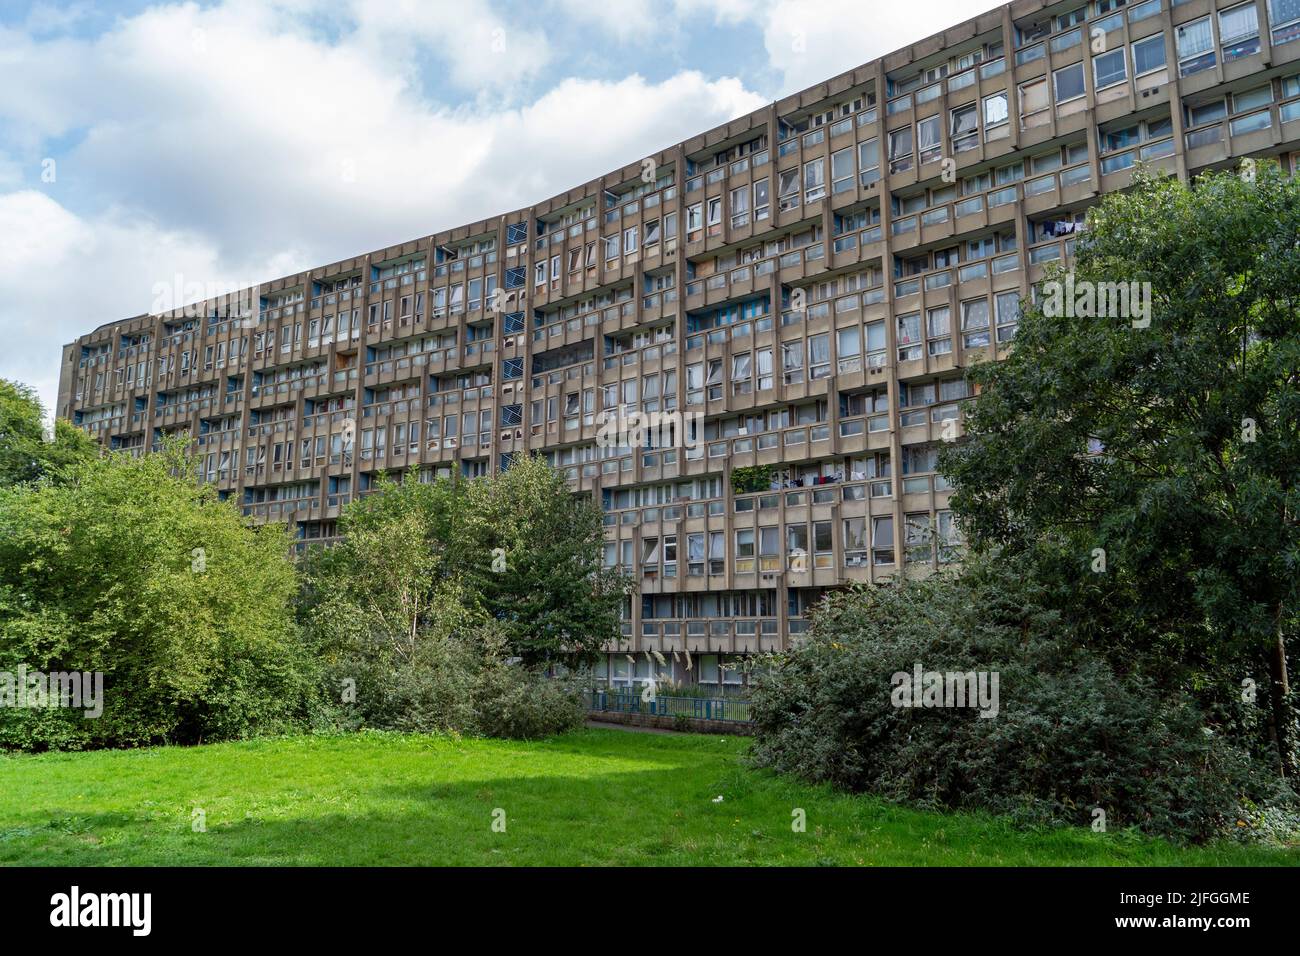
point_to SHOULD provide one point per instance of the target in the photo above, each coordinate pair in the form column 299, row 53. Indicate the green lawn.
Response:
column 592, row 797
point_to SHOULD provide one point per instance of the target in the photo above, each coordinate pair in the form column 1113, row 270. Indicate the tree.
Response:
column 25, row 455
column 388, row 581
column 436, row 587
column 517, row 549
column 129, row 567
column 1155, row 463
column 531, row 553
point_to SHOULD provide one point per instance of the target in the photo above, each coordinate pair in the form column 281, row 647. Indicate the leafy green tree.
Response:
column 1154, row 464
column 25, row 455
column 411, row 618
column 531, row 553
column 133, row 569
column 387, row 583
column 1070, row 731
column 518, row 550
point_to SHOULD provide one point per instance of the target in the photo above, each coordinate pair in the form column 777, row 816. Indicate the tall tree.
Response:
column 387, row 584
column 532, row 554
column 517, row 550
column 25, row 455
column 1158, row 455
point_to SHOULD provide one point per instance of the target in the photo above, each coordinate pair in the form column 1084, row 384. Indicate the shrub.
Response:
column 459, row 682
column 129, row 568
column 1072, row 734
column 513, row 701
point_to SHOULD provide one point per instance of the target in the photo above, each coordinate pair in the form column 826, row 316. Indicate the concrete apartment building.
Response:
column 801, row 288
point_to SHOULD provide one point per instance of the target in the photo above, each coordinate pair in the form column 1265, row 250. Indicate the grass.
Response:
column 595, row 797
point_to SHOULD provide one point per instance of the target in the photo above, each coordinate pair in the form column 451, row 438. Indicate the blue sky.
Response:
column 227, row 142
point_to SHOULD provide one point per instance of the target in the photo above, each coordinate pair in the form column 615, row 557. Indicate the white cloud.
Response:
column 245, row 141
column 61, row 276
column 481, row 49
column 807, row 41
column 812, row 40
column 625, row 20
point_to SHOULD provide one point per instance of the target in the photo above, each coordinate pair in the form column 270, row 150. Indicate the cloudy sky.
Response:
column 234, row 141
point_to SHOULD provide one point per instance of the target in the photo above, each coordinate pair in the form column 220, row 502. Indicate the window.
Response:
column 900, row 150
column 1110, row 68
column 1239, row 31
column 1033, row 100
column 717, row 552
column 742, row 374
column 855, row 542
column 928, row 139
column 1149, row 54
column 761, row 205
column 694, row 555
column 848, row 347
column 822, row 544
column 792, row 362
column 842, row 170
column 814, row 180
column 740, row 207
column 909, row 337
column 764, row 367
column 787, row 193
column 629, row 243
column 965, row 128
column 937, row 329
column 819, row 356
column 1071, row 19
column 869, row 161
column 1206, row 113
column 1252, row 99
column 1195, row 46
column 1285, row 18
column 995, row 110
column 975, row 323
column 796, row 546
column 1068, row 83
column 715, row 213
column 882, row 539
column 1008, row 306
column 650, row 556
column 745, row 551
column 694, row 218
column 769, row 548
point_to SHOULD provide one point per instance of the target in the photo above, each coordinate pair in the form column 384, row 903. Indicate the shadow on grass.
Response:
column 590, row 798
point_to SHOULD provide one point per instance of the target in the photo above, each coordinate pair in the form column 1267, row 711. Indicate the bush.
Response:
column 129, row 568
column 1072, row 733
column 457, row 683
column 513, row 701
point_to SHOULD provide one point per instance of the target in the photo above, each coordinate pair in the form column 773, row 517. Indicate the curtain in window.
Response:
column 1284, row 11
column 1195, row 38
column 1238, row 23
column 927, row 134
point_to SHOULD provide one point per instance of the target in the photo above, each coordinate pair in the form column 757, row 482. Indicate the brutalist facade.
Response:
column 789, row 301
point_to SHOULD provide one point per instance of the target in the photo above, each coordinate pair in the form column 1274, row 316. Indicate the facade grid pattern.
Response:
column 799, row 291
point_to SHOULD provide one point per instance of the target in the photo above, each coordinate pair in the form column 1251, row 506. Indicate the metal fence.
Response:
column 734, row 709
